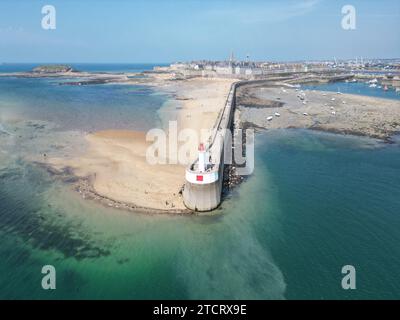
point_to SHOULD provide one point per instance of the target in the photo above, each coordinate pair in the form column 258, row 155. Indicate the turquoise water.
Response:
column 89, row 67
column 85, row 108
column 356, row 88
column 315, row 203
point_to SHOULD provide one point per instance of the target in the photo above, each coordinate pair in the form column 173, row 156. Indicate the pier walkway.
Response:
column 203, row 187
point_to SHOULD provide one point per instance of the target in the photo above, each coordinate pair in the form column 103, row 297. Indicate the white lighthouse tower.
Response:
column 202, row 158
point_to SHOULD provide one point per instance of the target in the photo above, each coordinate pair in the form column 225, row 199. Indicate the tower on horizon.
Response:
column 231, row 58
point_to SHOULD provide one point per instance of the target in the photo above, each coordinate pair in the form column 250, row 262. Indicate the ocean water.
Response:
column 315, row 203
column 89, row 67
column 360, row 88
column 85, row 108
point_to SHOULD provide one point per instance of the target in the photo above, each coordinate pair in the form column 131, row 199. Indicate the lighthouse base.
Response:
column 202, row 197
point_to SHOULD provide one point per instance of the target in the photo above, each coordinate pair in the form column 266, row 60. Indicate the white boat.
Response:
column 305, row 114
column 333, row 99
column 372, row 85
column 277, row 114
column 333, row 112
column 373, row 81
column 269, row 118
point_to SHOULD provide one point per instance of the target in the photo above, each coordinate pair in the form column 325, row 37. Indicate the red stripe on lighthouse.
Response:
column 199, row 178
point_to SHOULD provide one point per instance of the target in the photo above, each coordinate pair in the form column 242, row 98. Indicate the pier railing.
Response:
column 224, row 114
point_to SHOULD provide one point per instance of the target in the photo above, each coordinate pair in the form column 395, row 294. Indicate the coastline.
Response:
column 276, row 106
column 113, row 170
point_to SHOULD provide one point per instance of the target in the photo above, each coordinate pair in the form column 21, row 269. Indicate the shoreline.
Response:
column 275, row 106
column 113, row 171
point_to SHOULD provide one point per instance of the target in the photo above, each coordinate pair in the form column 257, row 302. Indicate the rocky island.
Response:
column 53, row 68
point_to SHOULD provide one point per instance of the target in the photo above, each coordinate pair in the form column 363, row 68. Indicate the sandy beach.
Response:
column 115, row 167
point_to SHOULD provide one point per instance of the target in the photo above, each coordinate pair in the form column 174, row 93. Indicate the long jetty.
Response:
column 203, row 188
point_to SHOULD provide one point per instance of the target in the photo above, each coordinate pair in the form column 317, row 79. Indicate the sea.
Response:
column 316, row 202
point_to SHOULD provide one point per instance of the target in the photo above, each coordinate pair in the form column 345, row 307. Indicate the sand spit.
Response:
column 114, row 169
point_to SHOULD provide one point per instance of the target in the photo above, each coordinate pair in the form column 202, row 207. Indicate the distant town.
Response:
column 247, row 69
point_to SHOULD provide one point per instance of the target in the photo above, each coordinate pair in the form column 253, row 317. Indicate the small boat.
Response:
column 333, row 99
column 334, row 113
column 372, row 85
column 344, row 102
column 269, row 118
column 277, row 114
column 305, row 114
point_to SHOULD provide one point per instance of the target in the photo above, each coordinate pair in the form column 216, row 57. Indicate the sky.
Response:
column 157, row 31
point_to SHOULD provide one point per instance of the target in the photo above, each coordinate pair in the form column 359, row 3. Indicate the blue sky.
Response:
column 177, row 30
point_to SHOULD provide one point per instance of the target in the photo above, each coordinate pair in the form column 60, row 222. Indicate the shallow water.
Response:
column 88, row 67
column 86, row 108
column 311, row 207
column 360, row 88
column 315, row 203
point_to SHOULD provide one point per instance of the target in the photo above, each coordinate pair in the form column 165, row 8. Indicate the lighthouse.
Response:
column 202, row 158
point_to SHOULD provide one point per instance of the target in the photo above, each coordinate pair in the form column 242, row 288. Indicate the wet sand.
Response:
column 115, row 170
column 318, row 110
column 116, row 166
